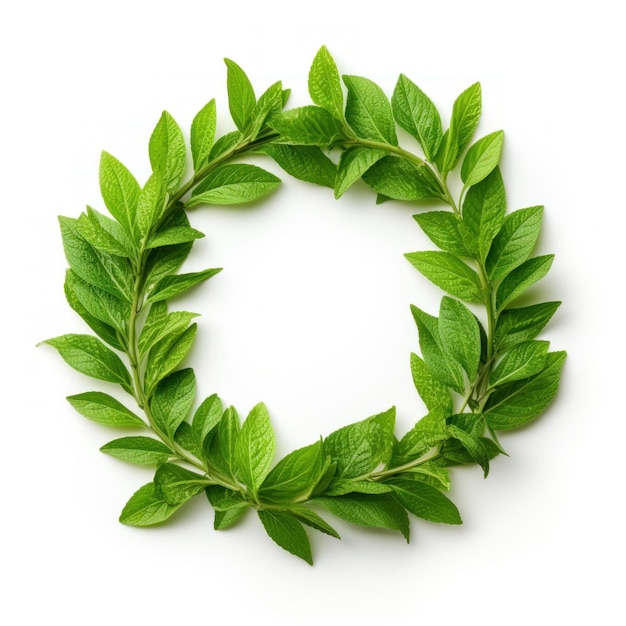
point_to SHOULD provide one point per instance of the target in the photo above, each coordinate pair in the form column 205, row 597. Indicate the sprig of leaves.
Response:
column 481, row 369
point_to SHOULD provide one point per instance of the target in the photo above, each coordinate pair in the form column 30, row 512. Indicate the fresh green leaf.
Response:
column 146, row 508
column 120, row 191
column 522, row 361
column 203, row 134
column 177, row 485
column 138, row 450
column 151, row 202
column 521, row 278
column 399, row 179
column 445, row 230
column 460, row 335
column 353, row 164
column 167, row 151
column 342, row 486
column 173, row 236
column 482, row 158
column 473, row 446
column 97, row 236
column 171, row 286
column 433, row 392
column 285, row 530
column 428, row 432
column 324, row 85
column 307, row 126
column 517, row 325
column 229, row 506
column 313, row 520
column 307, row 163
column 104, row 409
column 172, row 400
column 241, row 98
column 157, row 327
column 425, row 501
column 416, row 114
column 206, row 418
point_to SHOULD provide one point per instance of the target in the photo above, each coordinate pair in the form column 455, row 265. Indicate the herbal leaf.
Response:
column 206, row 418
column 120, row 191
column 354, row 162
column 433, row 392
column 177, row 484
column 241, row 98
column 229, row 506
column 515, row 242
column 172, row 400
column 444, row 229
column 416, row 114
column 285, row 530
column 460, row 335
column 399, row 179
column 324, row 85
column 167, row 152
column 427, row 433
column 89, row 356
column 313, row 520
column 449, row 273
column 425, row 501
column 482, row 158
column 517, row 403
column 104, row 409
column 171, row 286
column 517, row 325
column 233, row 184
column 146, row 508
column 522, row 361
column 307, row 126
column 255, row 449
column 138, row 450
column 473, row 446
column 307, row 163
column 158, row 327
column 203, row 134
column 516, row 283
column 90, row 227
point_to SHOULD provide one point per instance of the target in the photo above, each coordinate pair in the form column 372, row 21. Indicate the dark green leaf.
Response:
column 172, row 400
column 425, row 501
column 241, row 98
column 307, row 163
column 416, row 114
column 427, row 433
column 228, row 505
column 473, row 446
column 172, row 286
column 517, row 403
column 399, row 179
column 285, row 530
column 312, row 519
column 222, row 447
column 482, row 158
column 203, row 134
column 138, row 450
column 449, row 273
column 104, row 409
column 146, row 508
column 460, row 335
column 341, row 487
column 521, row 278
column 324, row 85
column 433, row 392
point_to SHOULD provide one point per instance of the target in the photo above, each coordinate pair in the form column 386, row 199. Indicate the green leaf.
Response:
column 425, row 501
column 223, row 445
column 515, row 242
column 521, row 278
column 416, row 114
column 517, row 403
column 168, row 154
column 460, row 335
column 324, row 85
column 241, row 98
column 428, row 432
column 370, row 511
column 307, row 163
column 483, row 210
column 307, row 126
column 354, row 162
column 89, row 356
column 440, row 364
column 177, row 485
column 359, row 448
column 312, row 519
column 159, row 326
column 173, row 236
column 473, row 445
column 482, row 158
column 368, row 111
column 104, row 409
column 445, row 230
column 172, row 400
column 286, row 531
column 449, row 273
column 146, row 508
column 294, row 476
column 255, row 449
column 110, row 273
column 120, row 191
column 433, row 392
column 167, row 355
column 522, row 361
column 171, row 286
column 206, row 419
column 233, row 184
column 151, row 203
column 97, row 236
column 343, row 486
column 399, row 179
column 138, row 450
column 228, row 505
column 465, row 115
column 517, row 325
column 203, row 134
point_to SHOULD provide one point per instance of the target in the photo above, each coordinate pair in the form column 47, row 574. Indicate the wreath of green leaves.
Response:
column 478, row 373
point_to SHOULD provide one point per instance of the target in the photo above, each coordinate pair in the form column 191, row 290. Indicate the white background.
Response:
column 311, row 314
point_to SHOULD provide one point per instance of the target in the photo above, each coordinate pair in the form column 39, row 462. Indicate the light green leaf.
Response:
column 517, row 325
column 307, row 163
column 354, row 162
column 482, row 158
column 241, row 98
column 173, row 236
column 324, row 85
column 104, row 409
column 522, row 361
column 172, row 286
column 343, row 486
column 268, row 106
column 172, row 400
column 286, row 531
column 146, row 508
column 428, row 432
column 177, row 484
column 416, row 114
column 138, row 450
column 368, row 111
column 233, row 184
column 158, row 326
column 203, row 134
column 444, row 229
column 515, row 242
column 206, row 418
column 120, row 191
column 255, row 449
column 449, row 273
column 519, row 402
column 399, row 179
column 460, row 335
column 522, row 277
column 425, row 501
column 90, row 356
column 307, row 126
column 483, row 210
column 151, row 203
column 433, row 392
column 229, row 506
column 90, row 228
column 168, row 154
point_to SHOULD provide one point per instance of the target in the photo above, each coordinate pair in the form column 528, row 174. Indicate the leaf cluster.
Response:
column 481, row 369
